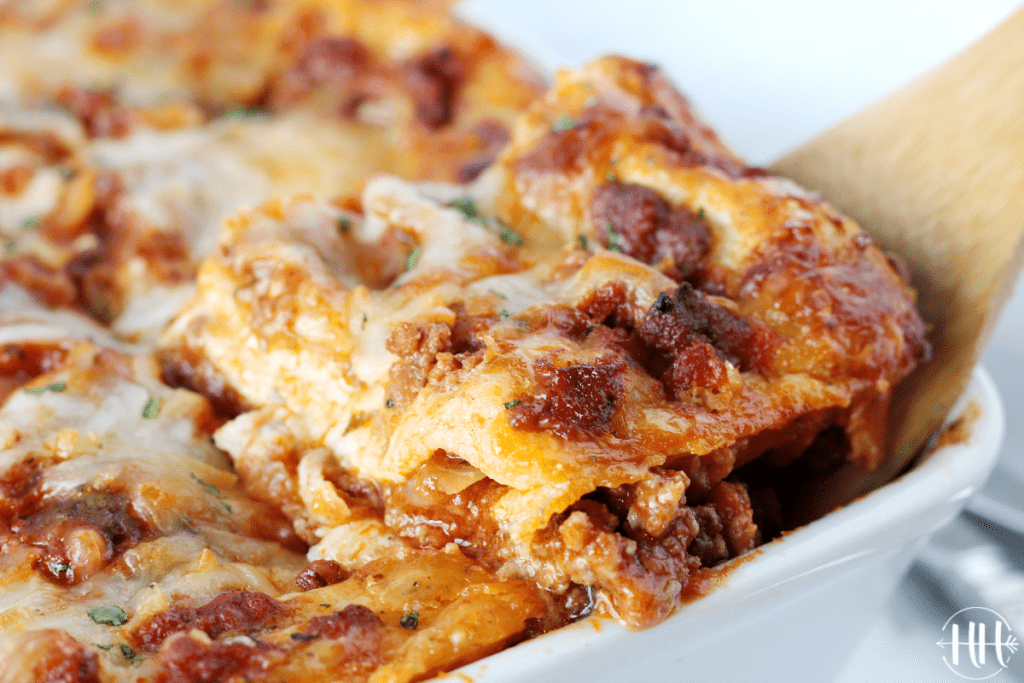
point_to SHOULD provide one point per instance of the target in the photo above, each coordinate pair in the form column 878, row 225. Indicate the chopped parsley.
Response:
column 129, row 653
column 111, row 616
column 30, row 223
column 212, row 490
column 414, row 258
column 497, row 294
column 466, row 205
column 510, row 236
column 56, row 387
column 105, row 647
column 58, row 567
column 152, row 409
column 594, row 458
column 504, row 314
column 582, row 239
column 410, row 621
column 700, row 213
column 324, row 604
column 344, row 224
column 613, row 238
column 389, row 403
column 562, row 123
column 512, row 404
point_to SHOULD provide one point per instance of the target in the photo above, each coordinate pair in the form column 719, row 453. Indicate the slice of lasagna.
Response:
column 563, row 368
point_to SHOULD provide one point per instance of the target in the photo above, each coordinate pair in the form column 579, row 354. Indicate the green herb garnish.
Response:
column 497, row 293
column 111, row 616
column 129, row 653
column 104, row 647
column 212, row 490
column 504, row 314
column 56, row 387
column 582, row 239
column 58, row 567
column 562, row 123
column 152, row 409
column 389, row 403
column 410, row 621
column 512, row 404
column 414, row 258
column 510, row 236
column 344, row 224
column 613, row 238
column 466, row 205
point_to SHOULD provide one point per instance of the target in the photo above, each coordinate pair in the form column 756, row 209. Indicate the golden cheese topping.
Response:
column 391, row 426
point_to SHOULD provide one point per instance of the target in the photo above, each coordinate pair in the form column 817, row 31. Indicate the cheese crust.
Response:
column 333, row 348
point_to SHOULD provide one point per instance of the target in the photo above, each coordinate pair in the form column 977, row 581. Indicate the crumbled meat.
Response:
column 690, row 336
column 80, row 536
column 434, row 81
column 639, row 222
column 573, row 402
column 64, row 660
column 245, row 612
column 334, row 63
column 187, row 660
column 320, row 573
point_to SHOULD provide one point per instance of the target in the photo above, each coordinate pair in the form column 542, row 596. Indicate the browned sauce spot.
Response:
column 335, row 64
column 188, row 368
column 573, row 149
column 46, row 145
column 493, row 136
column 66, row 661
column 851, row 299
column 639, row 222
column 20, row 489
column 244, row 612
column 103, row 521
column 13, row 180
column 187, row 660
column 573, row 402
column 22, row 361
column 355, row 622
column 320, row 573
column 118, row 37
column 434, row 81
column 959, row 430
column 98, row 110
column 689, row 337
column 51, row 287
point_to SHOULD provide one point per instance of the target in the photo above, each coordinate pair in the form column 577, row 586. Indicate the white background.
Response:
column 768, row 75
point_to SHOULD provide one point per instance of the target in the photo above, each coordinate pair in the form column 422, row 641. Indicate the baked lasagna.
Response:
column 335, row 347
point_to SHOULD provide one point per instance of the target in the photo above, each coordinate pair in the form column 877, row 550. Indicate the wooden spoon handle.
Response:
column 935, row 173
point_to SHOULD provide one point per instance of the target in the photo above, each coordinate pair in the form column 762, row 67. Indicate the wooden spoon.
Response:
column 935, row 173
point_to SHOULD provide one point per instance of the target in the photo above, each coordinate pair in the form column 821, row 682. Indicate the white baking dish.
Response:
column 797, row 609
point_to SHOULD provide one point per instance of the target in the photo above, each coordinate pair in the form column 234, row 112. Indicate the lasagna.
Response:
column 333, row 346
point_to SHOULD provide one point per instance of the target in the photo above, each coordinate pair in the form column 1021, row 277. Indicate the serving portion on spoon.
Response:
column 935, row 173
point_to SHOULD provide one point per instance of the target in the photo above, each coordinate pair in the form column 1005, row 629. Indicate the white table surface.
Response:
column 768, row 75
